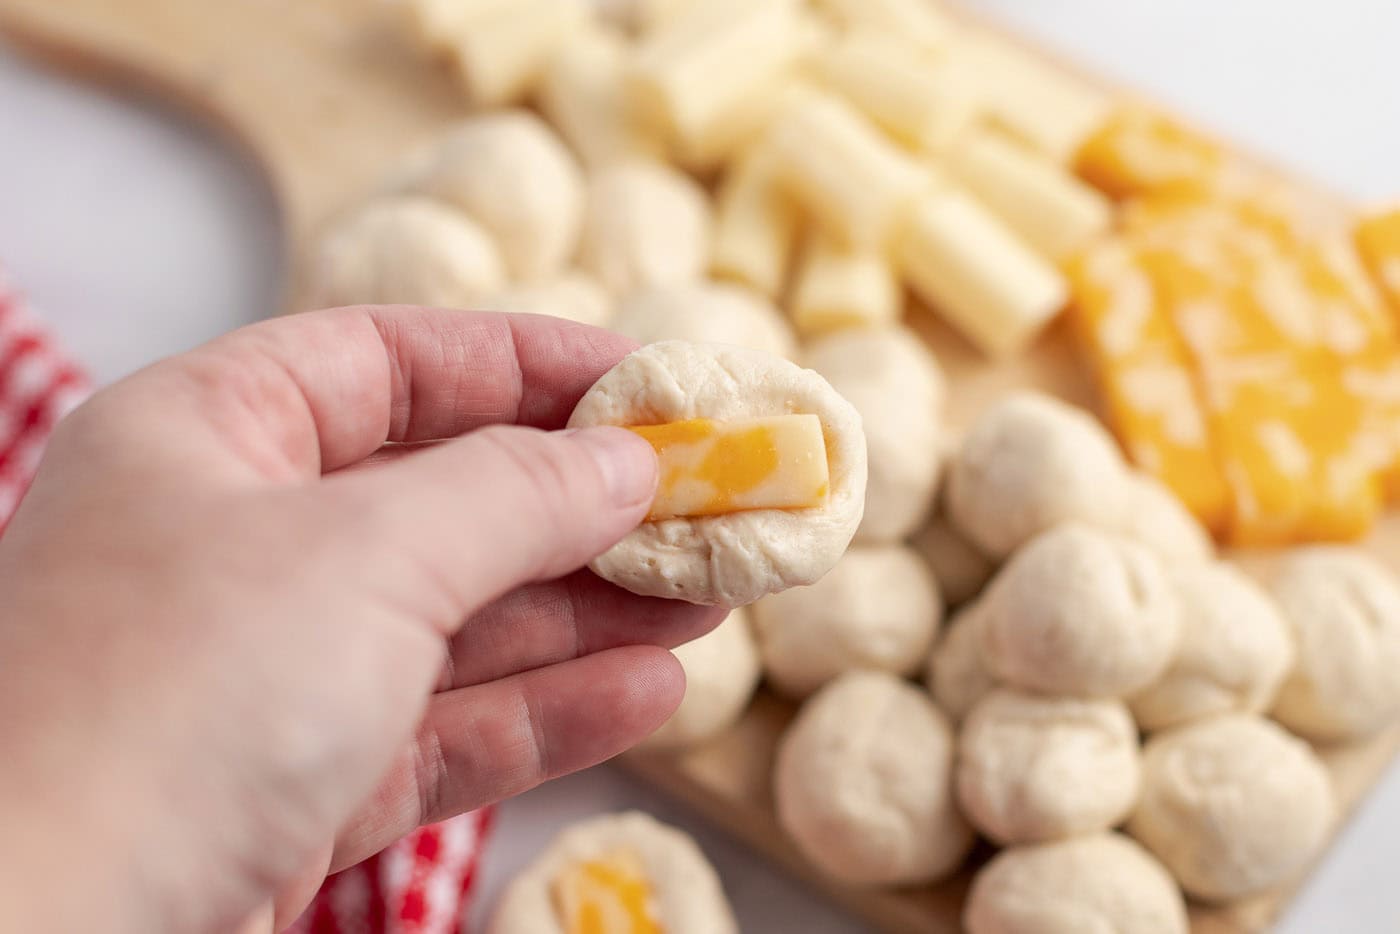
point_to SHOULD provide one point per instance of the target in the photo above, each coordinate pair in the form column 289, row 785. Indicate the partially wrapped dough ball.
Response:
column 571, row 296
column 734, row 558
column 1153, row 517
column 1101, row 883
column 1232, row 805
column 863, row 783
column 625, row 872
column 644, row 225
column 957, row 676
column 1033, row 768
column 406, row 250
column 1234, row 652
column 721, row 672
column 1343, row 608
column 959, row 567
column 878, row 608
column 707, row 313
column 896, row 384
column 516, row 178
column 1082, row 612
column 1030, row 463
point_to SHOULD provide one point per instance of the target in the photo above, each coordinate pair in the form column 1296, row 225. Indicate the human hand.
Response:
column 244, row 643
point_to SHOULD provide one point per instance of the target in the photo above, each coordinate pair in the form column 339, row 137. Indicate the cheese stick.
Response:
column 973, row 270
column 755, row 225
column 703, row 76
column 1052, row 210
column 1043, row 106
column 583, row 93
column 1378, row 241
column 908, row 93
column 840, row 287
column 918, row 21
column 436, row 24
column 837, row 165
column 501, row 50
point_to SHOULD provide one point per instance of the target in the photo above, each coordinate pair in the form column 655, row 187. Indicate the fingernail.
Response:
column 627, row 463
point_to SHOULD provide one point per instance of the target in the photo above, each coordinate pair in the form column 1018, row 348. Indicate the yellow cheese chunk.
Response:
column 710, row 467
column 609, row 895
column 1137, row 150
column 1378, row 240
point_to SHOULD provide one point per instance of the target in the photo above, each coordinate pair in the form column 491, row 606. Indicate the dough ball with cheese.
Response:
column 1101, row 883
column 734, row 558
column 961, row 569
column 616, row 872
column 1033, row 768
column 406, row 250
column 515, row 177
column 1082, row 612
column 721, row 671
column 1234, row 653
column 863, row 783
column 1343, row 608
column 1232, row 805
column 572, row 296
column 956, row 675
column 707, row 313
column 1153, row 517
column 877, row 609
column 895, row 383
column 1028, row 464
column 644, row 225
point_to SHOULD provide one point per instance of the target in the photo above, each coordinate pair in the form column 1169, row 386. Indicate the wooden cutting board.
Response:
column 327, row 95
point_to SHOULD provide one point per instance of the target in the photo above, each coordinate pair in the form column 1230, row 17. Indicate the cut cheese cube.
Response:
column 1051, row 209
column 1146, row 377
column 583, row 93
column 963, row 261
column 436, row 24
column 1378, row 240
column 755, row 225
column 701, row 74
column 501, row 51
column 608, row 895
column 912, row 96
column 838, row 287
column 920, row 22
column 1138, row 150
column 710, row 467
column 1045, row 107
column 856, row 184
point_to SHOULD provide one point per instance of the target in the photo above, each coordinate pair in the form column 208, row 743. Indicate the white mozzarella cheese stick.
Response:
column 839, row 287
column 755, row 225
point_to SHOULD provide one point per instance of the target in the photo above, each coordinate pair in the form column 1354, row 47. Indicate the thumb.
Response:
column 481, row 515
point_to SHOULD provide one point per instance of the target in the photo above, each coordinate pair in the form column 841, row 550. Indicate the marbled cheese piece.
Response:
column 710, row 467
column 610, row 895
column 1378, row 239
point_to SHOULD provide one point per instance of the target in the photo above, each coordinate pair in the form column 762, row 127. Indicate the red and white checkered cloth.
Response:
column 419, row 885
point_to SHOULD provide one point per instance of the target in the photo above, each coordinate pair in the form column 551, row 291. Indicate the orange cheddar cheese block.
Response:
column 1378, row 240
column 1145, row 376
column 1137, row 150
column 610, row 895
column 710, row 467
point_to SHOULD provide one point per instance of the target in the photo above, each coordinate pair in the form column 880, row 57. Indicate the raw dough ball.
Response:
column 878, row 608
column 1028, row 464
column 721, row 672
column 516, row 178
column 1153, row 517
column 1105, row 884
column 728, row 560
column 1082, row 612
column 1034, row 768
column 685, row 890
column 1234, row 652
column 895, row 383
column 645, row 225
column 956, row 673
column 707, row 313
column 402, row 250
column 863, row 783
column 960, row 568
column 572, row 296
column 1343, row 608
column 1232, row 805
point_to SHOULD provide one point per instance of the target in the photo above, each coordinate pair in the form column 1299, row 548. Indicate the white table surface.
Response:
column 139, row 236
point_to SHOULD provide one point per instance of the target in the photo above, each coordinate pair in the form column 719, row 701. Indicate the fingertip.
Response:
column 626, row 463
